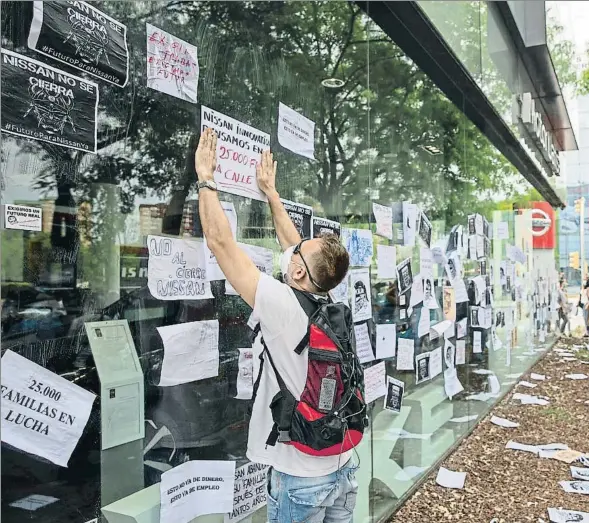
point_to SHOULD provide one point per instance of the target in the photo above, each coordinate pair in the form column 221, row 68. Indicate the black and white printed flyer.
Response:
column 300, row 215
column 425, row 229
column 322, row 226
column 43, row 103
column 394, row 398
column 79, row 35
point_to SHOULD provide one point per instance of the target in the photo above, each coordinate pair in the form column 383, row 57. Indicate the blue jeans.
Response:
column 328, row 499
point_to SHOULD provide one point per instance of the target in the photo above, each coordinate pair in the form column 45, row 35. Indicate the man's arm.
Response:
column 285, row 230
column 239, row 270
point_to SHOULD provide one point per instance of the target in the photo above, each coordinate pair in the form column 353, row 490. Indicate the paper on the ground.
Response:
column 537, row 377
column 296, row 132
column 576, row 376
column 363, row 343
column 386, row 341
column 374, row 382
column 514, row 445
column 33, row 502
column 477, row 346
column 196, row 488
column 424, row 321
column 450, row 479
column 502, row 422
column 465, row 419
column 386, row 260
column 575, row 487
column 260, row 256
column 405, row 353
column 528, row 384
column 567, row 455
column 460, row 352
column 580, row 473
column 176, row 269
column 250, row 491
column 191, row 352
column 452, row 384
column 566, row 516
column 358, row 243
column 245, row 374
column 384, row 220
column 214, row 272
column 172, row 65
column 527, row 399
column 42, row 413
column 435, row 362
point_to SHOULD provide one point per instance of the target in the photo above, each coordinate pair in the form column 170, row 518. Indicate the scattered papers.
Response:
column 514, row 445
column 537, row 377
column 250, row 491
column 465, row 419
column 363, row 343
column 452, row 384
column 176, row 269
column 502, row 422
column 566, row 516
column 191, row 352
column 580, row 473
column 33, row 502
column 386, row 341
column 405, row 353
column 42, row 413
column 358, row 243
column 575, row 487
column 567, row 455
column 577, row 376
column 245, row 374
column 383, row 216
column 386, row 260
column 394, row 398
column 527, row 384
column 362, row 300
column 374, row 382
column 527, row 399
column 450, row 479
column 296, row 132
column 196, row 488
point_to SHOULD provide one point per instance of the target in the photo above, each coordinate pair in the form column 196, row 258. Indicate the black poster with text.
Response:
column 323, row 226
column 79, row 35
column 43, row 103
column 301, row 216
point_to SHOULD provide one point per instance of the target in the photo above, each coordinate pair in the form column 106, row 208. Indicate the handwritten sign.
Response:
column 176, row 269
column 245, row 374
column 296, row 132
column 196, row 488
column 383, row 216
column 42, row 413
column 249, row 493
column 239, row 150
column 172, row 65
column 374, row 382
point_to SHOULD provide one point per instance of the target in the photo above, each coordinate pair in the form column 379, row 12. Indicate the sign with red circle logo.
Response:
column 543, row 225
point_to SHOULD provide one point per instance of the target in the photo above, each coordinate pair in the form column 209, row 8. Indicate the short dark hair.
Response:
column 331, row 263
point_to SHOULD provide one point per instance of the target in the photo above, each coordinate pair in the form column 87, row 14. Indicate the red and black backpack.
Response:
column 330, row 417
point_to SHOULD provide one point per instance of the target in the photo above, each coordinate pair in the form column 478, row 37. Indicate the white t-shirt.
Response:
column 283, row 323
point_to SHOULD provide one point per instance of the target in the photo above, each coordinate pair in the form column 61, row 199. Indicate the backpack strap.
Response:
column 310, row 305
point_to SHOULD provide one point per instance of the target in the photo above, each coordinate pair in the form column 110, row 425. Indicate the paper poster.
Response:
column 429, row 296
column 425, row 229
column 480, row 287
column 397, row 208
column 460, row 352
column 362, row 301
column 363, row 343
column 386, row 341
column 340, row 294
column 394, row 397
column 42, row 413
column 405, row 353
column 449, row 354
column 461, row 327
column 81, row 36
column 196, row 488
column 475, row 317
column 300, row 215
column 322, row 226
column 422, row 370
column 42, row 103
column 176, row 269
column 191, row 352
column 480, row 242
column 416, row 294
column 472, row 247
column 296, row 132
column 435, row 362
column 250, row 491
column 404, row 276
column 245, row 374
column 452, row 384
column 262, row 258
column 383, row 216
column 386, row 261
column 502, row 231
column 409, row 224
column 239, row 150
column 449, row 298
column 426, row 262
column 22, row 218
column 424, row 323
column 477, row 346
column 455, row 239
column 478, row 224
column 358, row 243
column 213, row 270
column 374, row 382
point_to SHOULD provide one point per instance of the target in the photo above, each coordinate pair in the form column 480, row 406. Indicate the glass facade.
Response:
column 383, row 134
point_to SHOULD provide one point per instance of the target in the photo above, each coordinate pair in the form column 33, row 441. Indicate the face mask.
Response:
column 285, row 259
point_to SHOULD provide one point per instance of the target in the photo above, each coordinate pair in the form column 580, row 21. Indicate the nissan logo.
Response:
column 541, row 222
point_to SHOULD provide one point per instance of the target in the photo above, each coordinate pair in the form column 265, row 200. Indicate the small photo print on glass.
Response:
column 422, row 370
column 425, row 229
column 394, row 398
column 404, row 276
column 474, row 317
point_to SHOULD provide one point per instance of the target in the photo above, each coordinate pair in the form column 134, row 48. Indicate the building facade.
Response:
column 433, row 110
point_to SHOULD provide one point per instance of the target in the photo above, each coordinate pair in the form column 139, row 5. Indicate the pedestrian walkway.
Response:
column 515, row 486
